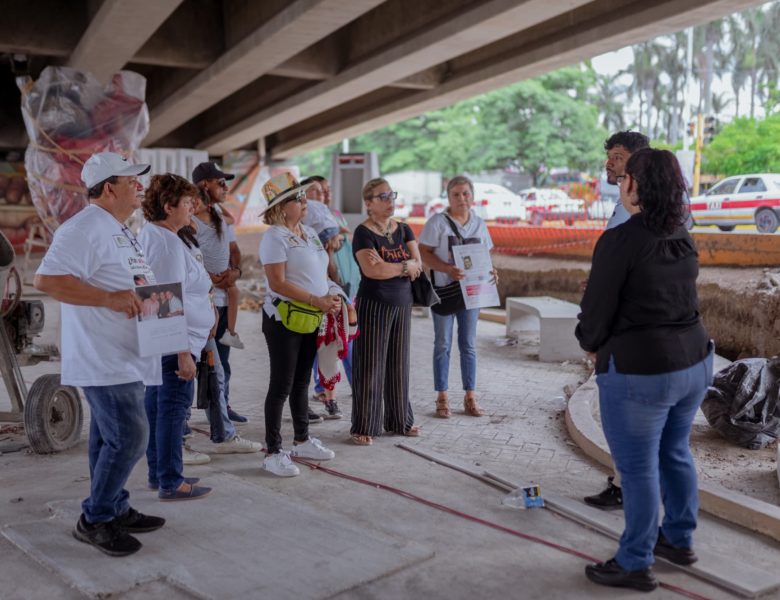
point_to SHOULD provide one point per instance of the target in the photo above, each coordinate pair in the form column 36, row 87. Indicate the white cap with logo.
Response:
column 103, row 165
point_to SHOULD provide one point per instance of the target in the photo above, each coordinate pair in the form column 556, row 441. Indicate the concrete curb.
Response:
column 714, row 499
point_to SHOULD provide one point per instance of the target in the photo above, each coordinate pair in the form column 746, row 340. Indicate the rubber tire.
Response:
column 45, row 434
column 772, row 220
column 726, row 227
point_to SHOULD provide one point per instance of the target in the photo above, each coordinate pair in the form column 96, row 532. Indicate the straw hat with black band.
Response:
column 282, row 187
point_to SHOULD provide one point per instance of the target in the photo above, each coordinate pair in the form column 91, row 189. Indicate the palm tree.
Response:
column 608, row 96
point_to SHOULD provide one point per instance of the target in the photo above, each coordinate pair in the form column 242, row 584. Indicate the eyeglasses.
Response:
column 386, row 196
column 299, row 197
column 133, row 240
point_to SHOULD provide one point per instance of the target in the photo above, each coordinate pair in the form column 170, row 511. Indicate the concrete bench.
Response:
column 555, row 319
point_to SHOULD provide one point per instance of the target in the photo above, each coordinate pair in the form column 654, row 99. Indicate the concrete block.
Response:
column 243, row 541
column 555, row 319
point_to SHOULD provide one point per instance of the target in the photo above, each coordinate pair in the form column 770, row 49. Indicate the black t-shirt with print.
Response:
column 398, row 290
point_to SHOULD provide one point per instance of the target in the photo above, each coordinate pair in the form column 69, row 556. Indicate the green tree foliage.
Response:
column 745, row 146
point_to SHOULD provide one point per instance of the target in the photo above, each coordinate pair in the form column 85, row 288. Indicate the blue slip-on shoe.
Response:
column 154, row 485
column 186, row 491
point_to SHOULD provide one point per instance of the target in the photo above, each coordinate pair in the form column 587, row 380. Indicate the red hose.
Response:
column 472, row 518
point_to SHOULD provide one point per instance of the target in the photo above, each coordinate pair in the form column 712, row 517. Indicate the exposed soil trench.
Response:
column 739, row 313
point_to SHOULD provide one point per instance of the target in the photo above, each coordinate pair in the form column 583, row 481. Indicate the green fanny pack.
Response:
column 298, row 316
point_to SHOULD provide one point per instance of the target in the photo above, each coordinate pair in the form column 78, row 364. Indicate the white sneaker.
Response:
column 190, row 457
column 280, row 464
column 312, row 448
column 237, row 445
column 231, row 339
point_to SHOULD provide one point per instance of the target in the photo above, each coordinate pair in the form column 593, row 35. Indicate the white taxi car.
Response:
column 740, row 200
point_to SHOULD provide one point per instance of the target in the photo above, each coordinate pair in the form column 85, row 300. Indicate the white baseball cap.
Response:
column 103, row 165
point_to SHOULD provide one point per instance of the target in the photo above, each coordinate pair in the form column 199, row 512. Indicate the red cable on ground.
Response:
column 408, row 495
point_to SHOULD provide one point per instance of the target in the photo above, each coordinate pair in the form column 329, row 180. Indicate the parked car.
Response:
column 491, row 202
column 740, row 200
column 552, row 205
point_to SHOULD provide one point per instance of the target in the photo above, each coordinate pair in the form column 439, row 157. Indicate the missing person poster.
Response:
column 162, row 328
column 478, row 286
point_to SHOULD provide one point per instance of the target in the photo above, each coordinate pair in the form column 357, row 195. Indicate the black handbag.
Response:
column 450, row 295
column 423, row 293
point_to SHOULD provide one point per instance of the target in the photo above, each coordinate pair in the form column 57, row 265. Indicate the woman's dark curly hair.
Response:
column 165, row 190
column 661, row 189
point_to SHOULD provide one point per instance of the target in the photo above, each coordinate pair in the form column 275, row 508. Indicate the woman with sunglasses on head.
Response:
column 389, row 260
column 640, row 323
column 299, row 292
column 167, row 208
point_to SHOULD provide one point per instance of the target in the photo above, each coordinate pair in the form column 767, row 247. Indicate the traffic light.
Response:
column 709, row 129
column 692, row 129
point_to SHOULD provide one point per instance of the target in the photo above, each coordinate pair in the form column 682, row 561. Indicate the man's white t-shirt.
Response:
column 99, row 346
column 216, row 252
column 438, row 234
column 319, row 217
column 307, row 262
column 171, row 262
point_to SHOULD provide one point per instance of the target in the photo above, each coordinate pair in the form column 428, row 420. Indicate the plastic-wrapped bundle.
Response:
column 69, row 116
column 742, row 402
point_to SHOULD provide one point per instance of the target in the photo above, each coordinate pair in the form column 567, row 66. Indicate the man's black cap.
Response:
column 209, row 170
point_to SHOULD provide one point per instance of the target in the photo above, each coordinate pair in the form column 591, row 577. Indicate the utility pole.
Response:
column 688, row 89
column 697, row 159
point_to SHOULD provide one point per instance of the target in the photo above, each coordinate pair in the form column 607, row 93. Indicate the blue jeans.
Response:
column 223, row 350
column 647, row 421
column 442, row 343
column 166, row 409
column 230, row 429
column 118, row 433
column 347, row 362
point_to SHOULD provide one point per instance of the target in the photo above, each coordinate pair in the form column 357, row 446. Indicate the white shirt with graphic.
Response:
column 99, row 346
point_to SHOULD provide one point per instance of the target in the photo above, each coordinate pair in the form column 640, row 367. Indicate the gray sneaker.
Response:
column 332, row 410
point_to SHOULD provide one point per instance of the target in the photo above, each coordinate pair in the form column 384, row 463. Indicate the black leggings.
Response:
column 292, row 356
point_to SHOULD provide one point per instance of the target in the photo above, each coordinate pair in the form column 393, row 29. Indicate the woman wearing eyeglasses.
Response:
column 640, row 323
column 389, row 261
column 168, row 207
column 296, row 266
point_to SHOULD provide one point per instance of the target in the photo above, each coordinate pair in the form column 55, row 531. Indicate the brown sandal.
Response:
column 414, row 431
column 361, row 440
column 471, row 408
column 443, row 408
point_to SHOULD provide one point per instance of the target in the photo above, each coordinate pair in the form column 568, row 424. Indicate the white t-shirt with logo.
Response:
column 99, row 346
column 438, row 234
column 216, row 252
column 172, row 262
column 306, row 262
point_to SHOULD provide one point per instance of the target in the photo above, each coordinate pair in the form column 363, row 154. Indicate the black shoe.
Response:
column 134, row 522
column 676, row 554
column 332, row 410
column 609, row 499
column 314, row 417
column 235, row 417
column 106, row 537
column 612, row 574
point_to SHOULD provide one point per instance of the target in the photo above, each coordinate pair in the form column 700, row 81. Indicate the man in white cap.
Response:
column 89, row 268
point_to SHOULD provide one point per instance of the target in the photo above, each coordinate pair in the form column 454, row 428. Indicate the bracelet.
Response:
column 404, row 269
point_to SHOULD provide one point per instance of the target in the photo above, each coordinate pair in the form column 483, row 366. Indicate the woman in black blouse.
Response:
column 640, row 322
column 389, row 261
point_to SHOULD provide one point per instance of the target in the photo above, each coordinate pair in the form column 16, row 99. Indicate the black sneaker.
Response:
column 314, row 417
column 134, row 522
column 612, row 574
column 676, row 554
column 235, row 417
column 609, row 499
column 109, row 537
column 332, row 410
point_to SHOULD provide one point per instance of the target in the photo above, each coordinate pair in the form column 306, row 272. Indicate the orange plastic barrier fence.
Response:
column 715, row 248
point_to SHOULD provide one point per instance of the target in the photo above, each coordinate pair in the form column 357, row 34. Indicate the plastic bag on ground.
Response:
column 742, row 402
column 69, row 116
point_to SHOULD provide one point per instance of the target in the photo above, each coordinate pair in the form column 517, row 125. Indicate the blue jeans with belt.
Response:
column 166, row 409
column 442, row 344
column 118, row 433
column 647, row 421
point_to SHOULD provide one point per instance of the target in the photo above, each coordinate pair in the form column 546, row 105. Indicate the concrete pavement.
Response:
column 320, row 536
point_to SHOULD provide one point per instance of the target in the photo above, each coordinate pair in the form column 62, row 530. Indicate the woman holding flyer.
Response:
column 455, row 226
column 168, row 207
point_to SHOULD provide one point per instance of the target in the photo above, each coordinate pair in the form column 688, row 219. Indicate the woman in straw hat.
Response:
column 299, row 292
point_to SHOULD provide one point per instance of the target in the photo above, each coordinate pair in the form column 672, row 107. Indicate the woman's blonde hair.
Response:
column 371, row 185
column 274, row 215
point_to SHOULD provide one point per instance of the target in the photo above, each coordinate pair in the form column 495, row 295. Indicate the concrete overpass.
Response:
column 295, row 75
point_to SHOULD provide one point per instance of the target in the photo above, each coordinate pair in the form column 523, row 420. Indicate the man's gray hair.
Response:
column 460, row 180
